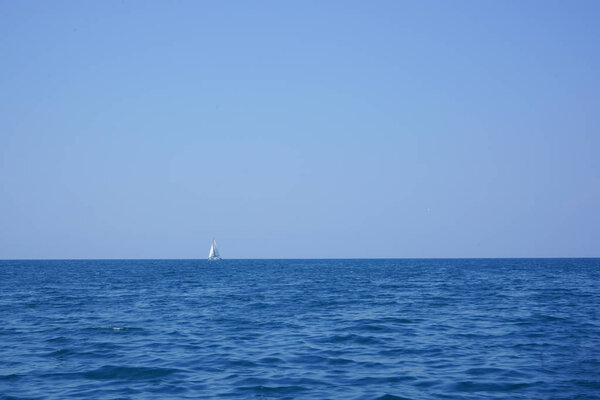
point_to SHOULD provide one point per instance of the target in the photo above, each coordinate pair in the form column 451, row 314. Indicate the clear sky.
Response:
column 143, row 129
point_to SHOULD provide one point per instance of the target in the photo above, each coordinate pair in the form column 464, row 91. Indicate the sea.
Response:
column 300, row 329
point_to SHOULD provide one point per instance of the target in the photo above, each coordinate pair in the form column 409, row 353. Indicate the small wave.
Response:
column 340, row 361
column 61, row 353
column 383, row 380
column 116, row 328
column 427, row 384
column 470, row 386
column 591, row 384
column 367, row 328
column 309, row 359
column 262, row 390
column 111, row 372
column 483, row 371
column 391, row 397
column 352, row 338
column 11, row 377
column 241, row 363
column 116, row 372
column 18, row 398
column 271, row 360
column 58, row 340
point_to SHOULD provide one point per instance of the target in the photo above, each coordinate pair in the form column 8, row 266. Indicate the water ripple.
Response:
column 311, row 329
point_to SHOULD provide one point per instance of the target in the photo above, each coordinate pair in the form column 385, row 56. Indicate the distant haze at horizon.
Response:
column 299, row 129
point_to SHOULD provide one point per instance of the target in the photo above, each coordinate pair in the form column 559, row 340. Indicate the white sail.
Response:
column 215, row 250
column 213, row 254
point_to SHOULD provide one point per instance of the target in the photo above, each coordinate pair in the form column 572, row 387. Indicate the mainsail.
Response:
column 213, row 254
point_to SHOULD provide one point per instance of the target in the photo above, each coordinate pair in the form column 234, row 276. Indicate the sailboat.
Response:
column 213, row 254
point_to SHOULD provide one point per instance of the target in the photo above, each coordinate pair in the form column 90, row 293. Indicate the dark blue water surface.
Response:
column 309, row 329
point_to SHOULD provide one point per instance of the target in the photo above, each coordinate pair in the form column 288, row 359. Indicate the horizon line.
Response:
column 297, row 258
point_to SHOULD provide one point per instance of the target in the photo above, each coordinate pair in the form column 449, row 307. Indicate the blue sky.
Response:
column 299, row 129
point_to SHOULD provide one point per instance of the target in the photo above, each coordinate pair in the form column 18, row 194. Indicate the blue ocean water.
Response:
column 308, row 329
